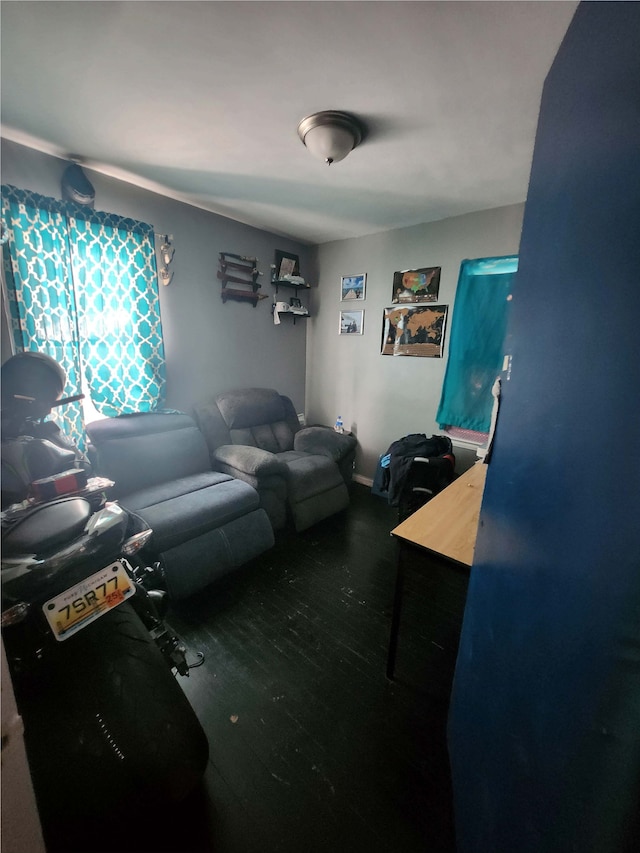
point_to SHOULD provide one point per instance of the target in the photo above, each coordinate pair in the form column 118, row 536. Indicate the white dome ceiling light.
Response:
column 331, row 135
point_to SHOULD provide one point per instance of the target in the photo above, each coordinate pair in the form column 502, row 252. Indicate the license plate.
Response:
column 82, row 604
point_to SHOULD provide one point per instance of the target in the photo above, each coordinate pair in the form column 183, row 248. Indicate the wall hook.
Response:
column 166, row 256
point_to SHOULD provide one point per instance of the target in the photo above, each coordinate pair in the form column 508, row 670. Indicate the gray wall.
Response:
column 210, row 347
column 381, row 398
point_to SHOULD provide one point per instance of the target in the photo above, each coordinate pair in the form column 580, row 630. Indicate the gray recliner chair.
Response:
column 205, row 523
column 301, row 474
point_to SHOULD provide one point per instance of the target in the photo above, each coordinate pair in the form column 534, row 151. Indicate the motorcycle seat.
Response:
column 47, row 527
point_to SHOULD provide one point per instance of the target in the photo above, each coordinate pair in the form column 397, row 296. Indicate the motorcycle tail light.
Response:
column 134, row 543
column 15, row 614
column 65, row 483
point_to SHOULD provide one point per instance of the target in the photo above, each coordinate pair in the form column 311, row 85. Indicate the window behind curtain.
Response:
column 476, row 346
column 82, row 287
column 120, row 331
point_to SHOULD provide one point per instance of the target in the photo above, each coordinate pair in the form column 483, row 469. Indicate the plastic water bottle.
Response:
column 339, row 427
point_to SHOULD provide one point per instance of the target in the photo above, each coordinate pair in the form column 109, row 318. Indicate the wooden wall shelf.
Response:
column 241, row 295
column 243, row 271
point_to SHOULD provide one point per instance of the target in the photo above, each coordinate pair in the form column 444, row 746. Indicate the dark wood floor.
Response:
column 311, row 747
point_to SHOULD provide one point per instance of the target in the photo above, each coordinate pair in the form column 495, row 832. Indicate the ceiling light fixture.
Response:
column 331, row 135
column 75, row 186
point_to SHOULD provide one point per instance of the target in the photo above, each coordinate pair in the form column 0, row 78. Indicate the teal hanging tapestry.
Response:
column 476, row 349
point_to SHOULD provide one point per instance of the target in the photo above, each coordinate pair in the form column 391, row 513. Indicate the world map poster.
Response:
column 416, row 330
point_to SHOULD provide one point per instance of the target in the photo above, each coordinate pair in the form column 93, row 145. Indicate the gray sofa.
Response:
column 301, row 474
column 205, row 523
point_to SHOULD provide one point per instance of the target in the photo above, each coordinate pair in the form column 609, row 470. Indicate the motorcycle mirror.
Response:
column 65, row 400
column 61, row 402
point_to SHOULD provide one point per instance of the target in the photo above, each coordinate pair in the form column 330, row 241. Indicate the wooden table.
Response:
column 439, row 537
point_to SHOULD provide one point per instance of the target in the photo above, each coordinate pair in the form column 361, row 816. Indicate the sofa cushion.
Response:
column 259, row 417
column 196, row 563
column 309, row 476
column 273, row 438
column 148, row 448
column 318, row 507
column 324, row 441
column 211, row 423
column 187, row 508
column 250, row 406
column 250, row 460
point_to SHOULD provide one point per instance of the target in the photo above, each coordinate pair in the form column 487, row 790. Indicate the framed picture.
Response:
column 294, row 302
column 351, row 322
column 286, row 264
column 421, row 285
column 416, row 330
column 353, row 286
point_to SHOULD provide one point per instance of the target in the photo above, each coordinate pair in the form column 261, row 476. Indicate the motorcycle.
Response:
column 92, row 659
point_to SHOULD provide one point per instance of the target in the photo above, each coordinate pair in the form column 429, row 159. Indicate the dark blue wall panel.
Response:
column 544, row 727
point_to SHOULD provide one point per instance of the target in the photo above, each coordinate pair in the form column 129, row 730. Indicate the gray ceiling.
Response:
column 201, row 101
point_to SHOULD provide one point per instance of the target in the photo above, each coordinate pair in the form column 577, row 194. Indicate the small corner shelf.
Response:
column 293, row 285
column 291, row 314
column 283, row 282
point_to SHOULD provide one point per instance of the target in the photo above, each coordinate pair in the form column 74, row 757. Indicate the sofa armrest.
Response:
column 324, row 441
column 249, row 460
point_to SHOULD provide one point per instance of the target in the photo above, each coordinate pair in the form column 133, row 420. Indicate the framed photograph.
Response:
column 353, row 287
column 294, row 302
column 351, row 322
column 286, row 264
column 421, row 285
column 416, row 330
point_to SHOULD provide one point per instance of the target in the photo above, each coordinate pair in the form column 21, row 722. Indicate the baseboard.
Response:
column 365, row 481
column 468, row 445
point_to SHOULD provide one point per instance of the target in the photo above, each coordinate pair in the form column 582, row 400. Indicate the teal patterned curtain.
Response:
column 40, row 291
column 476, row 348
column 82, row 287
